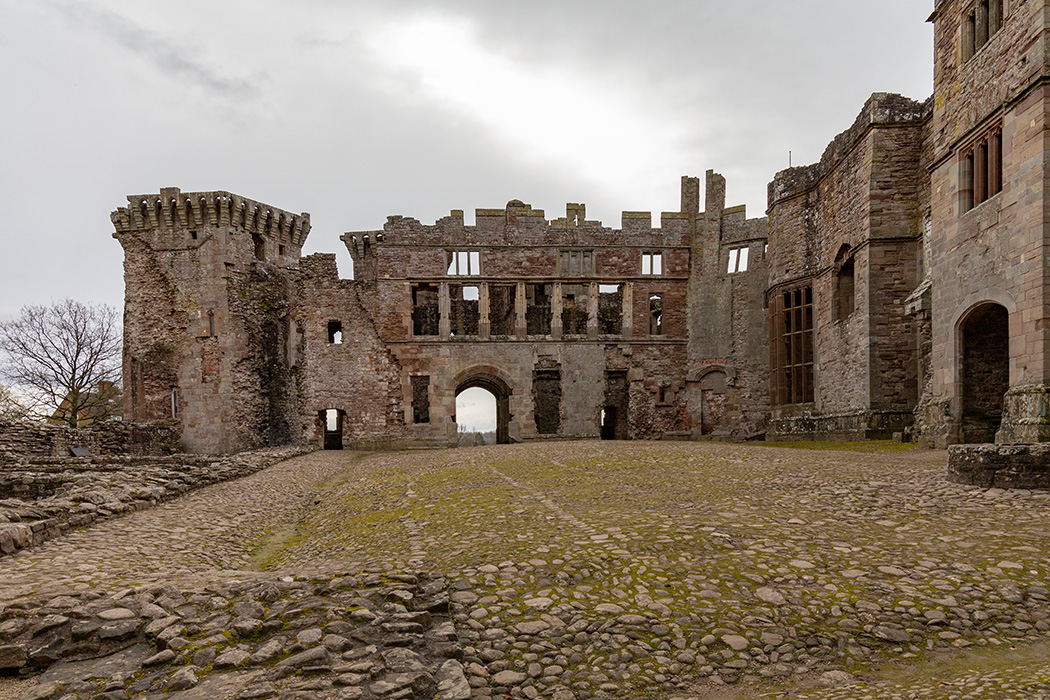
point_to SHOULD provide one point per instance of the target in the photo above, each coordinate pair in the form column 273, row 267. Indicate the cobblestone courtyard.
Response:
column 672, row 569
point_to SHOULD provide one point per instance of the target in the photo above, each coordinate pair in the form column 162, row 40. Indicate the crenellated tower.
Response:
column 210, row 334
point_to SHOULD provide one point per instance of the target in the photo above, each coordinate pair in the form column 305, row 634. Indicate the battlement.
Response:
column 172, row 208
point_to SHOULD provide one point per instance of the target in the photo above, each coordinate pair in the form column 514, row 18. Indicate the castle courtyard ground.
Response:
column 636, row 569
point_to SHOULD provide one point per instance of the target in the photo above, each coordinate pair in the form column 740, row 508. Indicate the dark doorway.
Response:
column 499, row 389
column 615, row 412
column 609, row 423
column 332, row 420
column 985, row 371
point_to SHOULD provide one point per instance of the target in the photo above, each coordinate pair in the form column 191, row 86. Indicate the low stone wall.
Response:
column 1001, row 466
column 867, row 425
column 355, row 637
column 46, row 498
column 23, row 439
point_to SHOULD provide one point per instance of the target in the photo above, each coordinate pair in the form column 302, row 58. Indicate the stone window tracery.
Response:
column 791, row 347
column 576, row 263
column 738, row 259
column 980, row 25
column 981, row 169
column 652, row 263
column 463, row 263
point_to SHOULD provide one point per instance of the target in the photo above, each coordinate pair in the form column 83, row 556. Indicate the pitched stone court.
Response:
column 582, row 568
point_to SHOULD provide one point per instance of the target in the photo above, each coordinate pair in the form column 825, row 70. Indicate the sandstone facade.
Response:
column 577, row 329
column 899, row 285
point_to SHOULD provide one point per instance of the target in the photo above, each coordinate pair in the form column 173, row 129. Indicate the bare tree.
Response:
column 65, row 356
column 12, row 407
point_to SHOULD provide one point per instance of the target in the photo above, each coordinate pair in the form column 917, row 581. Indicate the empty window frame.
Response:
column 464, row 310
column 980, row 25
column 502, row 312
column 981, row 169
column 335, row 332
column 574, row 314
column 463, row 263
column 538, row 309
column 610, row 309
column 211, row 324
column 420, row 399
column 652, row 263
column 791, row 347
column 738, row 258
column 426, row 316
column 576, row 263
column 656, row 314
column 845, row 290
column 174, row 403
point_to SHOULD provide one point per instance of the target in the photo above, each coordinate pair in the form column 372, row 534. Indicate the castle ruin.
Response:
column 899, row 285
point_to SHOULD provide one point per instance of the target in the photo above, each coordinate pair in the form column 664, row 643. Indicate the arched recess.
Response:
column 984, row 370
column 330, row 421
column 488, row 379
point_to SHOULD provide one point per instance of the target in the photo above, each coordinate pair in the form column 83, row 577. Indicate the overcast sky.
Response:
column 355, row 110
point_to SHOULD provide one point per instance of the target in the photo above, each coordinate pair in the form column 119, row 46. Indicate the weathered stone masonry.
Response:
column 902, row 288
column 577, row 329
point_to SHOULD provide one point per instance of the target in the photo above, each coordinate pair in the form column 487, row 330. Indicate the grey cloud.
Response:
column 154, row 48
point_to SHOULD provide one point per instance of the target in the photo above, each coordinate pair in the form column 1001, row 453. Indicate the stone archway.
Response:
column 498, row 388
column 984, row 370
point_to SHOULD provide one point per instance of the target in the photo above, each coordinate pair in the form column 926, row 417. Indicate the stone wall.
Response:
column 602, row 298
column 850, row 227
column 208, row 319
column 989, row 251
column 44, row 498
column 25, row 441
column 1000, row 466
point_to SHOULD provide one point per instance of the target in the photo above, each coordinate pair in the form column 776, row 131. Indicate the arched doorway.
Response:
column 985, row 371
column 500, row 393
column 331, row 420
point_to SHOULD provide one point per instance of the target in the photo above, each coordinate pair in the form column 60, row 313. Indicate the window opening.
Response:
column 574, row 309
column 464, row 310
column 211, row 324
column 981, row 170
column 335, row 332
column 538, row 309
column 426, row 316
column 610, row 309
column 652, row 263
column 260, row 246
column 980, row 25
column 738, row 259
column 464, row 262
column 844, row 297
column 656, row 314
column 174, row 403
column 280, row 249
column 502, row 316
column 420, row 399
column 193, row 235
column 791, row 347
